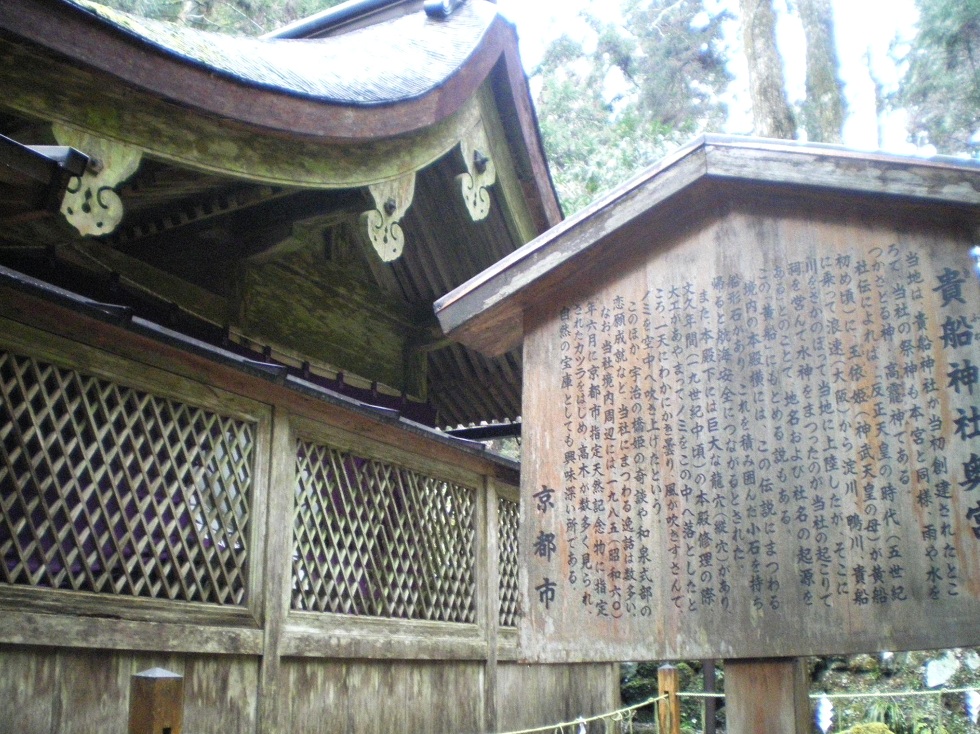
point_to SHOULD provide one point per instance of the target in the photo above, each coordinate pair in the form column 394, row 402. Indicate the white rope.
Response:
column 893, row 694
column 626, row 714
column 617, row 715
column 879, row 694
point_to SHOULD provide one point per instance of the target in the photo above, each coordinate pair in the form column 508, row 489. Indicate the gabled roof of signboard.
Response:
column 486, row 312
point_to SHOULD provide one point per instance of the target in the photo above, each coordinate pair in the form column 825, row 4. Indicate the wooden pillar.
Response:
column 767, row 695
column 277, row 575
column 710, row 704
column 669, row 711
column 156, row 702
column 488, row 596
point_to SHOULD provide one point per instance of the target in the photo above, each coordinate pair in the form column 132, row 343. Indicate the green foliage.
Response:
column 608, row 112
column 245, row 17
column 941, row 88
column 926, row 725
column 889, row 713
column 872, row 728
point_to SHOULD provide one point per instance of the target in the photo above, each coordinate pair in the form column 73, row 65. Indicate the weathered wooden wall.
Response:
column 531, row 695
column 261, row 664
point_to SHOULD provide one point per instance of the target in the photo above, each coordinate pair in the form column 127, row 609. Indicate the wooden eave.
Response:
column 222, row 155
column 486, row 313
column 92, row 74
column 85, row 39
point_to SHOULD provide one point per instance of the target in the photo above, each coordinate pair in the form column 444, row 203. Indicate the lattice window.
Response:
column 108, row 489
column 508, row 521
column 375, row 539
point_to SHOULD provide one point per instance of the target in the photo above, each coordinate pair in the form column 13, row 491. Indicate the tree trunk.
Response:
column 823, row 111
column 771, row 114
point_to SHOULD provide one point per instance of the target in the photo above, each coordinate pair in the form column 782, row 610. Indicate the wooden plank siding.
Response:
column 260, row 665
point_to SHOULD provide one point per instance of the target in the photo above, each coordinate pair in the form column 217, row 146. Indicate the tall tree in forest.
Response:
column 823, row 110
column 771, row 112
column 608, row 112
column 941, row 89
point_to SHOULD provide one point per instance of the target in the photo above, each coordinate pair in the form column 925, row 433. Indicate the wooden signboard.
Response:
column 764, row 440
column 751, row 418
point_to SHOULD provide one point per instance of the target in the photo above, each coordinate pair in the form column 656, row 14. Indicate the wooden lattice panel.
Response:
column 375, row 539
column 508, row 520
column 109, row 489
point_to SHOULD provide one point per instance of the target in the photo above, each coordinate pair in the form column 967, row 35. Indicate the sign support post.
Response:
column 767, row 695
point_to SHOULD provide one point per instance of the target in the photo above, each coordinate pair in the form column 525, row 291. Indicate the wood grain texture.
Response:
column 66, row 658
column 381, row 697
column 896, row 550
column 277, row 568
column 767, row 695
column 538, row 695
column 28, row 684
column 669, row 711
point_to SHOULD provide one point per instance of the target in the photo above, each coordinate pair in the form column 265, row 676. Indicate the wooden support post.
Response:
column 710, row 704
column 767, row 695
column 669, row 711
column 489, row 563
column 156, row 702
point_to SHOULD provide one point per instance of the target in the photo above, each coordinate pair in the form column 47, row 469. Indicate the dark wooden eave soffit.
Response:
column 486, row 313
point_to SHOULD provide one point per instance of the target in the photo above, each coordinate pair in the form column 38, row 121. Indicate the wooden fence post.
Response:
column 156, row 702
column 669, row 711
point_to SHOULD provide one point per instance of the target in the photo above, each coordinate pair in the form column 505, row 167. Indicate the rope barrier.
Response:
column 626, row 713
column 617, row 715
column 879, row 694
column 893, row 694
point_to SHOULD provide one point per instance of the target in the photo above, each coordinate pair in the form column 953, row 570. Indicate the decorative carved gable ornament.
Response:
column 480, row 172
column 391, row 200
column 393, row 197
column 91, row 205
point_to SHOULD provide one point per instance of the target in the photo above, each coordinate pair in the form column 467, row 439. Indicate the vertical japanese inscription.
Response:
column 806, row 434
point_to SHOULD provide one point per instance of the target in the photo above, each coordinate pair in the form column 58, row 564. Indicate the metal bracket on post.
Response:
column 156, row 702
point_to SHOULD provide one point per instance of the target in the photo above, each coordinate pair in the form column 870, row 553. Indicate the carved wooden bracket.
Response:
column 480, row 174
column 90, row 204
column 391, row 200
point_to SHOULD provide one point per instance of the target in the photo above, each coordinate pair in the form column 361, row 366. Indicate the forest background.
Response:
column 619, row 83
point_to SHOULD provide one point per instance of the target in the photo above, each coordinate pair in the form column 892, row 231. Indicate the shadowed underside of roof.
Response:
column 244, row 221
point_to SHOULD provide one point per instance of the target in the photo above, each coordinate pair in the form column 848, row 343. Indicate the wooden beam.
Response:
column 169, row 131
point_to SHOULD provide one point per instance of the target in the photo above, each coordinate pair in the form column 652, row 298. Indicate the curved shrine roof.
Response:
column 388, row 62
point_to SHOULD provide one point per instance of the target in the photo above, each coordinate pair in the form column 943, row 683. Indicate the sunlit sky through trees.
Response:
column 871, row 35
